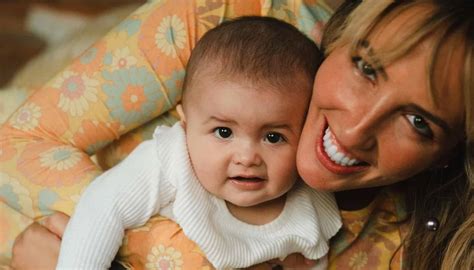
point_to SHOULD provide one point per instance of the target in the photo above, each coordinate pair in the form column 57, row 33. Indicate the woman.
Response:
column 394, row 95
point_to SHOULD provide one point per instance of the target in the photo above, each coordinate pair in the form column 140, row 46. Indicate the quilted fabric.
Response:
column 111, row 98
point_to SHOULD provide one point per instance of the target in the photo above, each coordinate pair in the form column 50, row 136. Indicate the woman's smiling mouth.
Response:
column 334, row 158
column 334, row 152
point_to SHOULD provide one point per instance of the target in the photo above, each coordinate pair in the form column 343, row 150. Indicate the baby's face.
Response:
column 242, row 139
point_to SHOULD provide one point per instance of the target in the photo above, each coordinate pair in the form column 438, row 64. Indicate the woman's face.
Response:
column 370, row 127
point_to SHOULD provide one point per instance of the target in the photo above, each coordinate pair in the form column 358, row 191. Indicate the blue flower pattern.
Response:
column 120, row 80
column 12, row 199
column 130, row 25
column 46, row 199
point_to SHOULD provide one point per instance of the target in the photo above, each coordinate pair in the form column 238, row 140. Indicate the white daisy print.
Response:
column 164, row 258
column 171, row 35
column 27, row 117
column 121, row 58
column 60, row 158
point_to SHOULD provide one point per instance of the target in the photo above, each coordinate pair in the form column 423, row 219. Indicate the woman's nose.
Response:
column 358, row 137
column 362, row 126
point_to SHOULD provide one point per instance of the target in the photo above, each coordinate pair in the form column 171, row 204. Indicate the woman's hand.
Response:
column 295, row 261
column 37, row 247
column 292, row 261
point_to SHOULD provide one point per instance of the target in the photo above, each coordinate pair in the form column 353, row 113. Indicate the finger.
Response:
column 293, row 260
column 56, row 223
column 309, row 262
column 36, row 232
column 35, row 248
column 261, row 266
column 33, row 235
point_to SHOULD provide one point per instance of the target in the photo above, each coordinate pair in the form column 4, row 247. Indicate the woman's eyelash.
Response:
column 365, row 68
column 420, row 125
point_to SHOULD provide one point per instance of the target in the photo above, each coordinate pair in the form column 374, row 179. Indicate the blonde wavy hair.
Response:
column 444, row 193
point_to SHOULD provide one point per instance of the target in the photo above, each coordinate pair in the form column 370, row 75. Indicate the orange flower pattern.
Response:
column 7, row 151
column 94, row 135
column 130, row 77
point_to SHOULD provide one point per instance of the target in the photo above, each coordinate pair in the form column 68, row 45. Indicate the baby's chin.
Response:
column 244, row 203
column 256, row 202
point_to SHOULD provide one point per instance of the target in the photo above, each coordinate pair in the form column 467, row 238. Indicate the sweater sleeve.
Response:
column 124, row 197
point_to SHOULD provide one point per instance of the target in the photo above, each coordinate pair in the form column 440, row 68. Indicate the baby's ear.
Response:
column 182, row 116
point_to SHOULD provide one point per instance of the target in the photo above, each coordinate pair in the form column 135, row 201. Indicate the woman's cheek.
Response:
column 308, row 166
column 403, row 162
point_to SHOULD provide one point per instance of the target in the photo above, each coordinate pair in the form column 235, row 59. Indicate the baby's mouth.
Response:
column 248, row 182
column 247, row 179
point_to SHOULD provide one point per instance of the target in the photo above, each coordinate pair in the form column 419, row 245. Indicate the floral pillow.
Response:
column 106, row 102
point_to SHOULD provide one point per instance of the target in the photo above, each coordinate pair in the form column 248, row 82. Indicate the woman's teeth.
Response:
column 333, row 152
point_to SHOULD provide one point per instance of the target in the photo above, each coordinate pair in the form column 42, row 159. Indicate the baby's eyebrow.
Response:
column 219, row 119
column 278, row 126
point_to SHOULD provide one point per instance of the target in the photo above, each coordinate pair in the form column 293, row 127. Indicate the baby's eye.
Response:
column 223, row 132
column 365, row 68
column 420, row 125
column 274, row 137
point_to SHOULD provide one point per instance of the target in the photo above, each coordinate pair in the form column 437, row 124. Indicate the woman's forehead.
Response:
column 397, row 28
column 445, row 54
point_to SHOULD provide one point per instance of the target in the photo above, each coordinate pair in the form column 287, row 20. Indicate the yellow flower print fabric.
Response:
column 110, row 99
column 371, row 238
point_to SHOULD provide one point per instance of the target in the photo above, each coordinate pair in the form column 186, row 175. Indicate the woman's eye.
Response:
column 274, row 137
column 420, row 125
column 223, row 132
column 365, row 68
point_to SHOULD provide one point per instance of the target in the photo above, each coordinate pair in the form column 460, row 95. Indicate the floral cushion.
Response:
column 111, row 98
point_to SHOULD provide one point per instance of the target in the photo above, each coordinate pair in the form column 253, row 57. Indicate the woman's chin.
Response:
column 314, row 177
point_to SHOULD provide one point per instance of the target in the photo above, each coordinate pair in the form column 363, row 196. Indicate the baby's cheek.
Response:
column 285, row 170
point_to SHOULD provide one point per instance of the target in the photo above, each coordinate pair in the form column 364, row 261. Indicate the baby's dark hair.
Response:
column 258, row 50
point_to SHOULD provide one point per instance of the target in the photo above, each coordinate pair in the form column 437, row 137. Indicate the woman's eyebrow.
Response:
column 373, row 58
column 433, row 118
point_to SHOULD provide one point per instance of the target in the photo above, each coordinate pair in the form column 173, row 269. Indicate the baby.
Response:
column 226, row 173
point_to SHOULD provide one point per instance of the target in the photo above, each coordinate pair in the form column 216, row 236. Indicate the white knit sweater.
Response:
column 157, row 178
